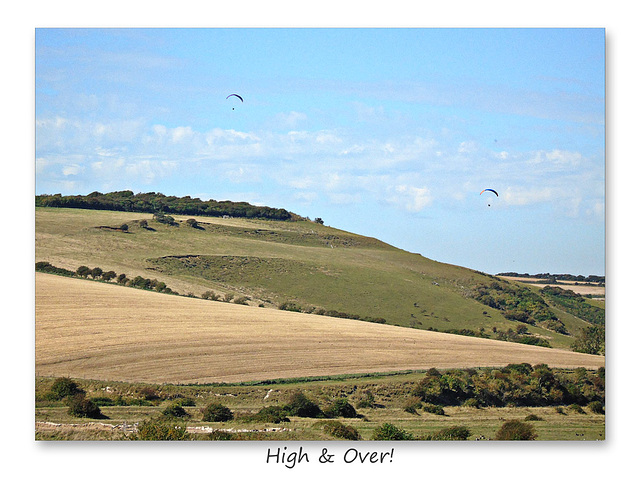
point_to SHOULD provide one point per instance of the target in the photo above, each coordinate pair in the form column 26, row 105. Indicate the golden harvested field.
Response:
column 582, row 288
column 87, row 329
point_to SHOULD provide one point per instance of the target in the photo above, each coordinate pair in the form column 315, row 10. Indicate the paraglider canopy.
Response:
column 489, row 190
column 235, row 95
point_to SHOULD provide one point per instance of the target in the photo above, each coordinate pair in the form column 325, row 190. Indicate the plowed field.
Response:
column 88, row 329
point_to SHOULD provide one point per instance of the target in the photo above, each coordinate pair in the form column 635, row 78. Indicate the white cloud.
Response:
column 557, row 157
column 180, row 134
column 527, row 195
column 413, row 199
column 71, row 170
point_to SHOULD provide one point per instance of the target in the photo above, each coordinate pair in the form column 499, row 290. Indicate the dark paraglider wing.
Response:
column 489, row 190
column 235, row 95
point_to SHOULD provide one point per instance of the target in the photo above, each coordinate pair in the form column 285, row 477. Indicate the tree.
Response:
column 216, row 412
column 108, row 276
column 342, row 408
column 319, row 220
column 300, row 406
column 64, row 387
column 122, row 279
column 96, row 272
column 175, row 410
column 590, row 340
column 83, row 271
column 80, row 406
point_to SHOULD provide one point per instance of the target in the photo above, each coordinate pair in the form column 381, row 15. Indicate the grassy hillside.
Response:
column 306, row 266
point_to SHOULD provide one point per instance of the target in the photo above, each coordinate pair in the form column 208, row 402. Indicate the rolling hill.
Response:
column 95, row 330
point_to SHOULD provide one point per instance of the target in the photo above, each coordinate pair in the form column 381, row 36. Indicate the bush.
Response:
column 366, row 400
column 388, row 431
column 242, row 300
column 160, row 430
column 300, row 406
column 220, row 435
column 340, row 430
column 175, row 410
column 216, row 412
column 471, row 402
column 435, row 409
column 80, row 406
column 576, row 408
column 64, row 387
column 411, row 405
column 596, row 407
column 149, row 393
column 516, row 430
column 270, row 414
column 450, row 433
column 341, row 408
column 532, row 418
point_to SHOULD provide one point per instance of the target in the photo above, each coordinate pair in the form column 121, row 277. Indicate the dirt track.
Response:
column 95, row 330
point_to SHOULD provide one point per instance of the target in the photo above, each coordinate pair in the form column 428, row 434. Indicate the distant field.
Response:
column 581, row 288
column 87, row 329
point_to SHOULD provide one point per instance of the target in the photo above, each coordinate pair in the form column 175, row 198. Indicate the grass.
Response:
column 390, row 394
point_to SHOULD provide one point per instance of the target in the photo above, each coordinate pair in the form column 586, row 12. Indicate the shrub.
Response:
column 210, row 295
column 64, row 387
column 340, row 430
column 242, row 300
column 576, row 408
column 366, row 400
column 471, row 402
column 149, row 393
column 216, row 412
column 175, row 410
column 80, row 406
column 532, row 418
column 596, row 407
column 220, row 435
column 341, row 408
column 161, row 430
column 388, row 431
column 435, row 409
column 450, row 433
column 271, row 414
column 300, row 406
column 516, row 430
column 411, row 405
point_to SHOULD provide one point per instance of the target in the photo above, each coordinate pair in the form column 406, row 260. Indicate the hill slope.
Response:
column 95, row 330
column 298, row 265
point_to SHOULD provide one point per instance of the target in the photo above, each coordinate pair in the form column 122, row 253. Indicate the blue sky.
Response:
column 391, row 132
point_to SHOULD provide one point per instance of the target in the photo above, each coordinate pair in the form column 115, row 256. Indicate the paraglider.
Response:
column 489, row 190
column 235, row 95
